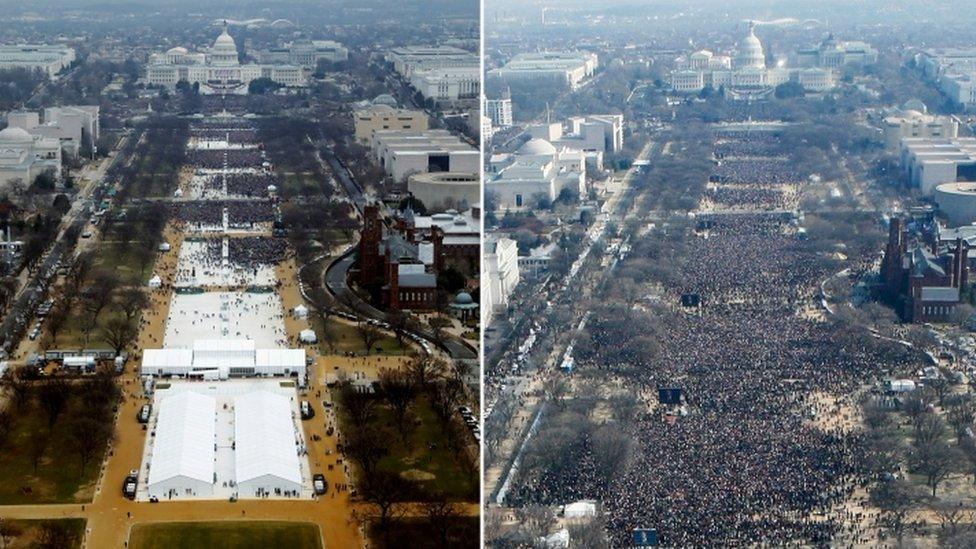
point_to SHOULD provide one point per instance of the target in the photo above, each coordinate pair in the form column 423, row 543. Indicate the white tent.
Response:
column 165, row 362
column 155, row 281
column 307, row 336
column 580, row 509
column 300, row 311
column 279, row 361
column 164, row 247
column 559, row 540
column 184, row 447
column 266, row 449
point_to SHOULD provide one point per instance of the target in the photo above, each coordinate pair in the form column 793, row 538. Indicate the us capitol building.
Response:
column 217, row 70
column 744, row 75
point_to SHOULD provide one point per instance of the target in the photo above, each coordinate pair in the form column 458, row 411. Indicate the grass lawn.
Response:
column 300, row 184
column 347, row 340
column 70, row 533
column 434, row 470
column 125, row 266
column 226, row 535
column 464, row 533
column 59, row 478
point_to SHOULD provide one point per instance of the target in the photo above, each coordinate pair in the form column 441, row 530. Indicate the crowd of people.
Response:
column 767, row 198
column 257, row 250
column 754, row 170
column 249, row 183
column 215, row 159
column 210, row 213
column 741, row 461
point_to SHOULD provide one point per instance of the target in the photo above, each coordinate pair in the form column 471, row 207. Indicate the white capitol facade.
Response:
column 744, row 74
column 217, row 70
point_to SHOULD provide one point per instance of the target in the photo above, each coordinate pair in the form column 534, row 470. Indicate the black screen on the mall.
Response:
column 439, row 163
column 966, row 172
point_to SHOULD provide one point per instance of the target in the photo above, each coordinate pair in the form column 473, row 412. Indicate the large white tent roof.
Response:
column 167, row 358
column 264, row 436
column 293, row 359
column 186, row 431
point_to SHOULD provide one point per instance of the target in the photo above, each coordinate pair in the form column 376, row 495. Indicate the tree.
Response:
column 929, row 428
column 360, row 406
column 133, row 301
column 442, row 515
column 56, row 534
column 386, row 491
column 950, row 516
column 398, row 390
column 960, row 412
column 119, row 333
column 36, row 444
column 369, row 334
column 87, row 435
column 53, row 395
column 8, row 532
column 788, row 90
column 895, row 499
column 57, row 318
column 611, row 450
column 425, row 369
column 936, row 461
column 538, row 519
column 367, row 446
column 19, row 386
column 397, row 320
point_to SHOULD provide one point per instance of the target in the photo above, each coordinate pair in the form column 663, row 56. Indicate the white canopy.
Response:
column 266, row 453
column 301, row 311
column 307, row 336
column 183, row 449
column 155, row 281
column 579, row 509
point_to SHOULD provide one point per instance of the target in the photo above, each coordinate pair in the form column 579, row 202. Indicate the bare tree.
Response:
column 36, row 444
column 367, row 446
column 398, row 390
column 87, row 435
column 53, row 395
column 895, row 499
column 361, row 407
column 442, row 515
column 369, row 334
column 133, row 301
column 386, row 491
column 950, row 516
column 425, row 369
column 611, row 449
column 936, row 461
column 119, row 333
column 19, row 386
column 8, row 532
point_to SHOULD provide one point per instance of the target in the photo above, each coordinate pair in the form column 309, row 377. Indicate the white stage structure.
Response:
column 266, row 455
column 184, row 447
column 223, row 358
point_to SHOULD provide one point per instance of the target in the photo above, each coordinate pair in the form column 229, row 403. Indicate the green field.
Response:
column 61, row 533
column 226, row 535
column 59, row 477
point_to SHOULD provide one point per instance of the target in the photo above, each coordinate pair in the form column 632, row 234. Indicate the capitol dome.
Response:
column 178, row 50
column 224, row 50
column 537, row 147
column 749, row 54
column 385, row 99
column 15, row 135
column 463, row 298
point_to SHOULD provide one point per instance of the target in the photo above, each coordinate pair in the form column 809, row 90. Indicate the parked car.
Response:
column 307, row 411
column 319, row 484
column 144, row 413
column 129, row 484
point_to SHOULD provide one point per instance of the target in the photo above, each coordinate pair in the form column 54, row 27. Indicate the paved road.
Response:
column 334, row 279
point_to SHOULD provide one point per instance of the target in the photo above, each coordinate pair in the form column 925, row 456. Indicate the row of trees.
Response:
column 367, row 439
column 86, row 430
column 939, row 446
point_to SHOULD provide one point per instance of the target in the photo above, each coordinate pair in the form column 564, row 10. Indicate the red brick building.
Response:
column 924, row 281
